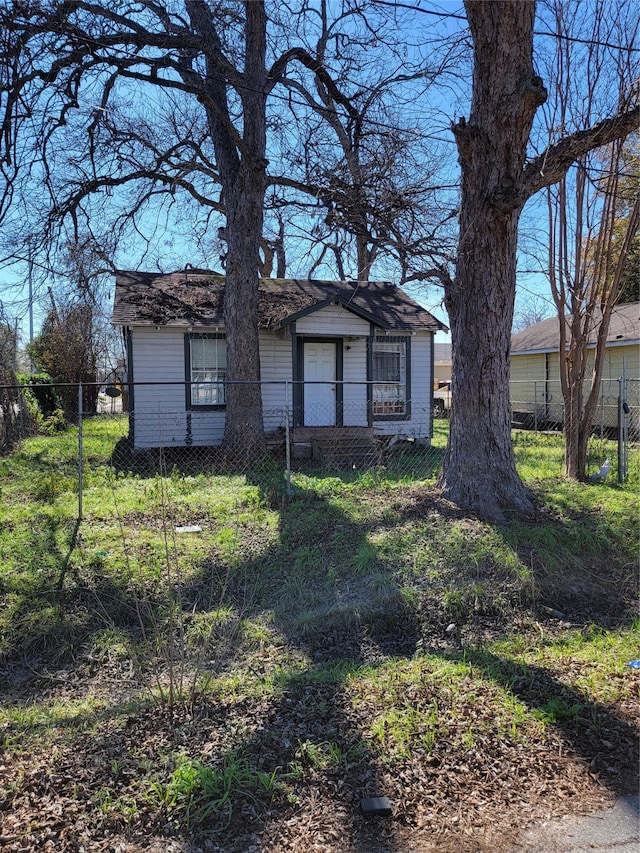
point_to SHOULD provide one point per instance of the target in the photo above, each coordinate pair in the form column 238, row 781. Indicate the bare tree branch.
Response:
column 550, row 166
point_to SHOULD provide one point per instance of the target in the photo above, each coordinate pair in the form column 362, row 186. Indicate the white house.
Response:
column 333, row 355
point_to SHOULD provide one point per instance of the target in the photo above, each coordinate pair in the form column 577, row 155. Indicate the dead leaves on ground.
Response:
column 92, row 788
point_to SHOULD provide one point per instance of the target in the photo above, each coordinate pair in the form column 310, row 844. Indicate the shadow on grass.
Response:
column 337, row 604
column 342, row 630
column 605, row 742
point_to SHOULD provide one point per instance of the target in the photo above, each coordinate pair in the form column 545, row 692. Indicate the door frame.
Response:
column 298, row 375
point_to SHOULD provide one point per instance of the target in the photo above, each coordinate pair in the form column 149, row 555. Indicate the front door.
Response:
column 319, row 383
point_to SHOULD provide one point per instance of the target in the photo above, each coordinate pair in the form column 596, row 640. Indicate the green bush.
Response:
column 41, row 396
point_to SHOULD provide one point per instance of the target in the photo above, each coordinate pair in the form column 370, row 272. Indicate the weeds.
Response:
column 282, row 614
column 197, row 794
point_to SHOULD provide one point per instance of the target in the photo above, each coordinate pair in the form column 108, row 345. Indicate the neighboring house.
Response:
column 442, row 362
column 333, row 355
column 535, row 367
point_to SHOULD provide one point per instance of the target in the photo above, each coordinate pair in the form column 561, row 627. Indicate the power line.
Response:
column 454, row 16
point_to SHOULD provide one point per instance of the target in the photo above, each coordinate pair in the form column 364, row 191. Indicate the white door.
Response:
column 319, row 384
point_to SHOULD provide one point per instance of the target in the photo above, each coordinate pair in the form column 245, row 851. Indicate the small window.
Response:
column 389, row 378
column 207, row 369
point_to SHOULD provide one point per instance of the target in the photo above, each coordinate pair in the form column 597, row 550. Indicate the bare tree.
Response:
column 113, row 107
column 60, row 57
column 629, row 190
column 593, row 218
column 534, row 309
column 364, row 175
column 585, row 275
column 479, row 467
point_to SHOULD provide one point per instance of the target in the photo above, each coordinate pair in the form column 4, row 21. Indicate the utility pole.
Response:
column 30, row 280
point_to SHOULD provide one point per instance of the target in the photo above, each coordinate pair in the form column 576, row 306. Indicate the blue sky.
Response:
column 171, row 247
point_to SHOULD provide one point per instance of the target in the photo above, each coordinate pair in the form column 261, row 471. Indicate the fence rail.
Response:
column 118, row 427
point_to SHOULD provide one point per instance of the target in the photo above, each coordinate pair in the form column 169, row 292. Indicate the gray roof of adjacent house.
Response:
column 442, row 353
column 196, row 298
column 624, row 328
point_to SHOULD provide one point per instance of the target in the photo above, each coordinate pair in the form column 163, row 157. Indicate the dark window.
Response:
column 389, row 377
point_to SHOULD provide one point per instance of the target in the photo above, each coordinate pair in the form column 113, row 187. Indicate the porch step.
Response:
column 347, row 454
column 331, row 432
column 345, row 447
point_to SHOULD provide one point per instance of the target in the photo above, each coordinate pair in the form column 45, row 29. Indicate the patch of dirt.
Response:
column 88, row 785
column 105, row 778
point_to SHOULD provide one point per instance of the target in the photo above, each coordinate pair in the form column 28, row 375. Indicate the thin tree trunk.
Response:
column 572, row 431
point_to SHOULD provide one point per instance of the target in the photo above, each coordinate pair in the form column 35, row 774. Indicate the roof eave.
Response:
column 325, row 303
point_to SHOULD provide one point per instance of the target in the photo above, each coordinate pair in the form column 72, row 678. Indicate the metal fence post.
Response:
column 80, row 453
column 287, row 445
column 623, row 436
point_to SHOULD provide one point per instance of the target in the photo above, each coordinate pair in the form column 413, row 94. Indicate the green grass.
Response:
column 269, row 607
column 330, row 553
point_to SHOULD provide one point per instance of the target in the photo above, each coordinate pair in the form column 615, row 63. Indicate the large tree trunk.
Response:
column 244, row 430
column 242, row 165
column 479, row 467
column 244, row 189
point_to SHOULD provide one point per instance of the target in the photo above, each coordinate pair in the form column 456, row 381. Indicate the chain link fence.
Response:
column 352, row 431
column 344, row 429
column 538, row 405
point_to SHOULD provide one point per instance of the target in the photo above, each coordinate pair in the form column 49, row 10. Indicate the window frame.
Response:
column 405, row 415
column 189, row 381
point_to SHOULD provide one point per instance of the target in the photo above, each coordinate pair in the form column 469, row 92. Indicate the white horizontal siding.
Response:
column 160, row 412
column 160, row 416
column 354, row 370
column 419, row 425
column 333, row 320
column 275, row 371
column 178, row 429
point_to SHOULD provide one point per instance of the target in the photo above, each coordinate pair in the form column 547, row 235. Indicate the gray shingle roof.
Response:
column 442, row 352
column 196, row 298
column 624, row 328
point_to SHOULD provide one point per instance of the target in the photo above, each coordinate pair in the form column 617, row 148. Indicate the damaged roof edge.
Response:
column 196, row 297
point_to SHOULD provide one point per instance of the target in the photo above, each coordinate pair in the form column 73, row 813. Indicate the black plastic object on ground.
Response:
column 375, row 807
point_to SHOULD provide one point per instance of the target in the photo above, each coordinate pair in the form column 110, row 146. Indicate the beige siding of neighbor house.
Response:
column 535, row 382
column 528, row 388
column 442, row 372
